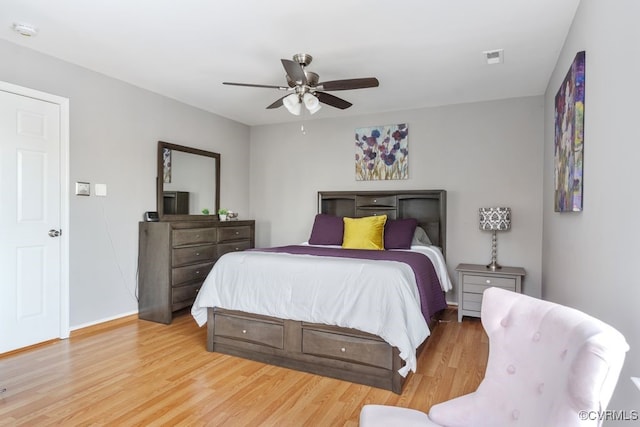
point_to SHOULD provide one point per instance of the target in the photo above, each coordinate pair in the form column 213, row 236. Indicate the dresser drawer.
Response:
column 226, row 234
column 192, row 254
column 266, row 333
column 242, row 245
column 477, row 283
column 372, row 201
column 193, row 236
column 180, row 275
column 185, row 293
column 344, row 347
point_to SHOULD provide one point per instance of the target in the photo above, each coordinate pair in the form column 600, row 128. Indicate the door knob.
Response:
column 54, row 233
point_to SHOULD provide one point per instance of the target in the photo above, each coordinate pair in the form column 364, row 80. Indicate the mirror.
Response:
column 188, row 182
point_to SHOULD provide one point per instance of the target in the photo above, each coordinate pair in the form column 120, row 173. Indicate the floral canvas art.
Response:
column 382, row 152
column 569, row 138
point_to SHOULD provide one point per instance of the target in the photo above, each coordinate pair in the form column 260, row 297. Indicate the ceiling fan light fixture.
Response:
column 311, row 102
column 292, row 104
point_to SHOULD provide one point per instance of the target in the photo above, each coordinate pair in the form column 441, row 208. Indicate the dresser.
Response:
column 473, row 279
column 174, row 258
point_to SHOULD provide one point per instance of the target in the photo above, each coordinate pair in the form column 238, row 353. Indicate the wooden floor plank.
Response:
column 134, row 372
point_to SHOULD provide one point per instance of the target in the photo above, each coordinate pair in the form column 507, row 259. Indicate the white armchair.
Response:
column 547, row 363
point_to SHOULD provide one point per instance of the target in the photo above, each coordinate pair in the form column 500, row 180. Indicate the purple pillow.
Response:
column 398, row 233
column 327, row 230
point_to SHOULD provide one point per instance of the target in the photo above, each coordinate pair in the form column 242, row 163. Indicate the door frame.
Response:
column 63, row 103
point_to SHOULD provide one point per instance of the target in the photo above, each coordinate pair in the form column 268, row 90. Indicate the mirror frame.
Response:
column 160, row 182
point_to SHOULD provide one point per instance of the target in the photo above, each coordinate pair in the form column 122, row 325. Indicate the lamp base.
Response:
column 493, row 266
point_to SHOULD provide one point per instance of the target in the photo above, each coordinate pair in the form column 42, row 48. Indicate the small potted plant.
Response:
column 222, row 214
column 205, row 211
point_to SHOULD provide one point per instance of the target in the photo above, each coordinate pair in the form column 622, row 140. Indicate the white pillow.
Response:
column 420, row 237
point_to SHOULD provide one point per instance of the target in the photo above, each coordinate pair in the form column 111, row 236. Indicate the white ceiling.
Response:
column 423, row 52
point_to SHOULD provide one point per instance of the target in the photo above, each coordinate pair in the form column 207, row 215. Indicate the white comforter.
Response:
column 379, row 297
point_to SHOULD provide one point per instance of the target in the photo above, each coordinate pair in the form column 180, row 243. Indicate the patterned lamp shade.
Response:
column 495, row 219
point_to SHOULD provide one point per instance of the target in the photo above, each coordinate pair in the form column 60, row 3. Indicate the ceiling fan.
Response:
column 304, row 87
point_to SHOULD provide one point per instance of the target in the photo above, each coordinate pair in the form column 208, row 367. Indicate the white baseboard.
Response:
column 106, row 319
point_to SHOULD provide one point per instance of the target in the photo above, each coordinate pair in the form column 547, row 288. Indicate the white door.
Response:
column 32, row 306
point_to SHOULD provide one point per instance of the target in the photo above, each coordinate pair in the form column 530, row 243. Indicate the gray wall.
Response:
column 588, row 257
column 114, row 129
column 483, row 154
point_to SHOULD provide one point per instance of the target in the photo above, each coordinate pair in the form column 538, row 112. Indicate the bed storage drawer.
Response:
column 361, row 350
column 256, row 331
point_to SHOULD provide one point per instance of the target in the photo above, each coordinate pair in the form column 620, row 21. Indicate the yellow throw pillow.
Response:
column 364, row 233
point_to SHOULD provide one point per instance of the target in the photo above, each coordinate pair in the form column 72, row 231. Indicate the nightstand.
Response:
column 473, row 279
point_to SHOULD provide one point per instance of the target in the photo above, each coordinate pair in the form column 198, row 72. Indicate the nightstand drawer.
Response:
column 474, row 279
column 483, row 282
column 472, row 301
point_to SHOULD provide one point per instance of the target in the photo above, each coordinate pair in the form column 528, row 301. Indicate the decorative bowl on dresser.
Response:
column 174, row 258
column 473, row 279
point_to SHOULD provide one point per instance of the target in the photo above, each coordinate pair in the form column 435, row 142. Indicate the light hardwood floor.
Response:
column 133, row 372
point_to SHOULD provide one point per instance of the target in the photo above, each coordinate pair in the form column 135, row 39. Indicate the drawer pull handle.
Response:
column 197, row 271
column 237, row 249
column 237, row 232
column 197, row 253
column 375, row 200
column 244, row 331
column 197, row 236
column 344, row 350
column 488, row 282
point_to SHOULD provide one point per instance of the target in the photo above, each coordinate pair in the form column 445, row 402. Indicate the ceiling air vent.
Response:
column 494, row 56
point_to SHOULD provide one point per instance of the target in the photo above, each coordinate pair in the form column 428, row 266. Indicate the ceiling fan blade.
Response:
column 277, row 103
column 349, row 84
column 294, row 71
column 254, row 85
column 334, row 101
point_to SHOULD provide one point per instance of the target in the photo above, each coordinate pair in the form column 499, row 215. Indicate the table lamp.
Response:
column 495, row 219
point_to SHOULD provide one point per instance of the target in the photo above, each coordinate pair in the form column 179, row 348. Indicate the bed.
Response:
column 357, row 315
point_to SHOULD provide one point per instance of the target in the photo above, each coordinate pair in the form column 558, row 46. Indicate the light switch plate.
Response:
column 83, row 189
column 101, row 190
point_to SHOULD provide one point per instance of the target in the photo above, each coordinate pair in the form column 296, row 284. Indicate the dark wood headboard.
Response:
column 429, row 207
